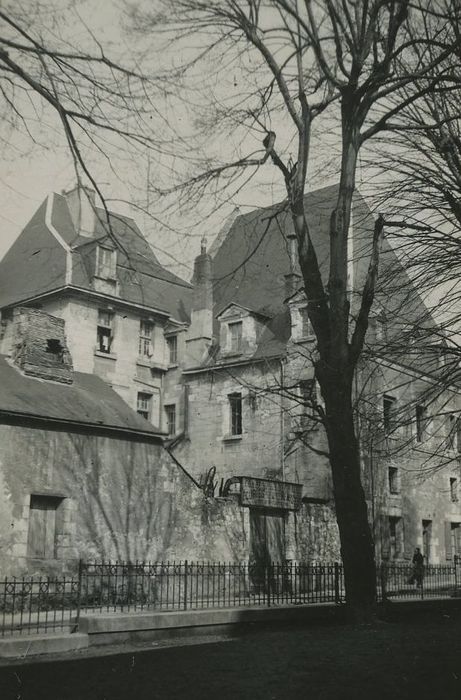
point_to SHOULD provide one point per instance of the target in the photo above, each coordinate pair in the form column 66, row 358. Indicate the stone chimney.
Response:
column 81, row 203
column 200, row 333
column 39, row 345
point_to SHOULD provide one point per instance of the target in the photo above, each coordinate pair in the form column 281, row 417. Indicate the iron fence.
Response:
column 403, row 581
column 38, row 604
column 201, row 585
column 47, row 604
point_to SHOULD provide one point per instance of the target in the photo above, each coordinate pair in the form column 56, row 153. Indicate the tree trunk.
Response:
column 351, row 509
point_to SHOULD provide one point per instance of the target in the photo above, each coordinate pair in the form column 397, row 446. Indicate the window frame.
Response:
column 49, row 520
column 389, row 404
column 172, row 346
column 393, row 478
column 105, row 329
column 106, row 270
column 141, row 409
column 170, row 414
column 235, row 401
column 454, row 489
column 146, row 338
column 235, row 347
column 305, row 322
column 421, row 422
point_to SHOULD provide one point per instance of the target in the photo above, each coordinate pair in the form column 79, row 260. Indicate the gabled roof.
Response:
column 244, row 308
column 88, row 401
column 36, row 262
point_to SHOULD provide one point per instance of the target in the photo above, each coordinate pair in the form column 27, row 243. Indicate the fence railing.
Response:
column 47, row 604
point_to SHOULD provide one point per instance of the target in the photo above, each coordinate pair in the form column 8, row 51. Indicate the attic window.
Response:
column 235, row 331
column 54, row 347
column 106, row 263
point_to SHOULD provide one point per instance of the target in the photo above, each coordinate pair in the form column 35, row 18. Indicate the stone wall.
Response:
column 118, row 499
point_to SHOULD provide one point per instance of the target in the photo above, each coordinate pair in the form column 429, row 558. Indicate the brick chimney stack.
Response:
column 39, row 345
column 81, row 204
column 201, row 323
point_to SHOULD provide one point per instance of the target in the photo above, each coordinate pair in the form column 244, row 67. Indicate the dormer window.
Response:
column 146, row 331
column 106, row 263
column 235, row 331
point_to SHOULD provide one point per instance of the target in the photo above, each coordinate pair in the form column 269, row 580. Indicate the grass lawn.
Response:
column 418, row 658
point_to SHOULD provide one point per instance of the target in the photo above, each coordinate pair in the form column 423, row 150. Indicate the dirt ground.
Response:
column 418, row 658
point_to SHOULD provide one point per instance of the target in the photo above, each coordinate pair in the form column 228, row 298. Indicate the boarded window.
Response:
column 235, row 330
column 43, row 521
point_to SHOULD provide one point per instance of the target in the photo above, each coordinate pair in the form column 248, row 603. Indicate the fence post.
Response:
column 185, row 584
column 268, row 583
column 382, row 578
column 79, row 592
column 455, row 562
column 337, row 574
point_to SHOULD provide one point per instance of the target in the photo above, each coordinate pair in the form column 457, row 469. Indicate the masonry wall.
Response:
column 426, row 473
column 120, row 500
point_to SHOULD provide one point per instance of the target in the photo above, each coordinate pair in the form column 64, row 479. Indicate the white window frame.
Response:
column 235, row 339
column 144, row 404
column 106, row 325
column 172, row 347
column 106, row 269
column 235, row 401
column 170, row 413
column 146, row 338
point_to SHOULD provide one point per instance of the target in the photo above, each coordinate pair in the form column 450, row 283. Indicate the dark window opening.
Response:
column 454, row 490
column 395, row 536
column 389, row 404
column 455, row 534
column 427, row 539
column 420, row 422
column 104, row 332
column 235, row 405
column 393, row 474
column 54, row 347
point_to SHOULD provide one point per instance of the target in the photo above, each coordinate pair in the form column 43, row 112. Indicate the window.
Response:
column 389, row 404
column 455, row 533
column 395, row 537
column 54, row 347
column 235, row 330
column 144, row 405
column 235, row 406
column 393, row 475
column 171, row 419
column 454, row 490
column 454, row 428
column 427, row 539
column 106, row 264
column 146, row 330
column 380, row 329
column 421, row 413
column 105, row 334
column 43, row 521
column 306, row 328
column 172, row 344
column 307, row 393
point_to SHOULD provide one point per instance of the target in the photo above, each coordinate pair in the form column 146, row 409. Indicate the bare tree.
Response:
column 297, row 61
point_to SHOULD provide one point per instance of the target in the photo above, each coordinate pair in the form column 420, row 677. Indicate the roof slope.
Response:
column 142, row 279
column 88, row 400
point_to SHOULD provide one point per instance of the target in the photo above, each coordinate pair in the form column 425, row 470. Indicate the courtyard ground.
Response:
column 413, row 658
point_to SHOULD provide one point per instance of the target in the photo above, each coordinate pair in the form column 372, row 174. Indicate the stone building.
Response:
column 224, row 367
column 82, row 475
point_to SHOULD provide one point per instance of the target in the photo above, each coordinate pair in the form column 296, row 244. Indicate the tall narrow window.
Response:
column 389, row 405
column 235, row 330
column 455, row 533
column 427, row 539
column 395, row 537
column 144, row 405
column 172, row 344
column 41, row 542
column 105, row 334
column 421, row 418
column 454, row 490
column 454, row 432
column 171, row 419
column 306, row 328
column 107, row 262
column 235, row 407
column 393, row 475
column 146, row 331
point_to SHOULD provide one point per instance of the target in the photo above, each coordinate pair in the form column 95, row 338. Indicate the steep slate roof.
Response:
column 89, row 400
column 25, row 270
column 250, row 265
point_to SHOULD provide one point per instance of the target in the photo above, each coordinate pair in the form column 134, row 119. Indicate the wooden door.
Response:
column 42, row 527
column 267, row 536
